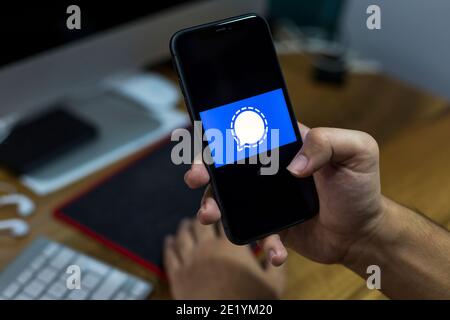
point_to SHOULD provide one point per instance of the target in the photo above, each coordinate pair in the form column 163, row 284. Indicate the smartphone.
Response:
column 232, row 82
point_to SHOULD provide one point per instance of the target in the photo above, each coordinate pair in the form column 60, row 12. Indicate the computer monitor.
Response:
column 43, row 63
column 42, row 60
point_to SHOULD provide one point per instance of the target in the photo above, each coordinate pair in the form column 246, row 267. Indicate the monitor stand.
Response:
column 130, row 113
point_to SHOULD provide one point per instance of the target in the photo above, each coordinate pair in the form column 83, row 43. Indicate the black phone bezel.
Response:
column 224, row 26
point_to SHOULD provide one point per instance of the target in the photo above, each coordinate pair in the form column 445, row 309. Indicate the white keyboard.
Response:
column 40, row 273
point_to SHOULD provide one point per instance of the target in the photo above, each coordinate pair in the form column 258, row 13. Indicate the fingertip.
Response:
column 278, row 257
column 188, row 180
column 210, row 204
column 201, row 216
column 275, row 251
column 196, row 176
column 200, row 170
column 207, row 216
column 303, row 130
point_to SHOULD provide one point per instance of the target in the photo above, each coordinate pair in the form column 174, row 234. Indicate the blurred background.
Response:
column 411, row 45
column 86, row 111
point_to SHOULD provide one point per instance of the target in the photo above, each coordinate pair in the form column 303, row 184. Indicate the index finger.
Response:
column 197, row 176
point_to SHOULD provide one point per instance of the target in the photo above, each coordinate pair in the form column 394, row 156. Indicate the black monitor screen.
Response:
column 30, row 27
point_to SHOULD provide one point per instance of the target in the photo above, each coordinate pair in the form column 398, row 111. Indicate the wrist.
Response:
column 380, row 237
column 410, row 251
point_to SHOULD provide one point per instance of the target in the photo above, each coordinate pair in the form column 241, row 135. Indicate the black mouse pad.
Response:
column 133, row 210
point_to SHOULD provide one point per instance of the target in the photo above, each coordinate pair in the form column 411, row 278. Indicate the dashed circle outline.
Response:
column 266, row 127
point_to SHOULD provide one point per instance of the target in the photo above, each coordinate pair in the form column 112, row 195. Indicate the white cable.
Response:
column 16, row 227
column 25, row 206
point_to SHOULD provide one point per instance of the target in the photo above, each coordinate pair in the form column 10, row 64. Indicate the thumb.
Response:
column 353, row 149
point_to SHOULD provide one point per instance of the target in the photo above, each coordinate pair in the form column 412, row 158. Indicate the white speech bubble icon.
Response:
column 248, row 127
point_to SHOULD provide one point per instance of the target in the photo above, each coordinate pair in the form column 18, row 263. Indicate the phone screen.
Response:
column 233, row 84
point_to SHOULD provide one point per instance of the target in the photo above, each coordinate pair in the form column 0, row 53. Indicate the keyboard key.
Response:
column 121, row 296
column 62, row 259
column 90, row 280
column 47, row 297
column 57, row 290
column 34, row 289
column 50, row 249
column 47, row 275
column 88, row 264
column 77, row 295
column 11, row 290
column 110, row 285
column 64, row 276
column 23, row 296
column 38, row 262
column 25, row 276
column 139, row 289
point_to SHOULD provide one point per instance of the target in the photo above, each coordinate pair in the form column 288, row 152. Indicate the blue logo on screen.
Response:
column 249, row 127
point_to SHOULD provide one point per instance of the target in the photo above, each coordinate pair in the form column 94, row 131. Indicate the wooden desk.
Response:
column 411, row 126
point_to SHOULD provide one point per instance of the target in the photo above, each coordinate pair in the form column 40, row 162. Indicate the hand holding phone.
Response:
column 346, row 171
column 232, row 83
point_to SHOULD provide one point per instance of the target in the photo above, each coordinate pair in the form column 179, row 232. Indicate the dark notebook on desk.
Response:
column 135, row 209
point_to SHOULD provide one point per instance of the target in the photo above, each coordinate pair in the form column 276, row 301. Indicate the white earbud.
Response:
column 25, row 206
column 17, row 227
